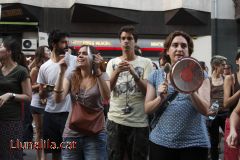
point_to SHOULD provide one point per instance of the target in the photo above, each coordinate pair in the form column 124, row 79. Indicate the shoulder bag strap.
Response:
column 160, row 111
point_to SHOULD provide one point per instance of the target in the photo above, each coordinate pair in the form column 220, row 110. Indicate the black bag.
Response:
column 160, row 111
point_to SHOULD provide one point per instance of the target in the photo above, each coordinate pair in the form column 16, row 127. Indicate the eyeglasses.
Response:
column 128, row 38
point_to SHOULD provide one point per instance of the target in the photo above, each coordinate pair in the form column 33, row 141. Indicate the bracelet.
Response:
column 59, row 92
column 98, row 75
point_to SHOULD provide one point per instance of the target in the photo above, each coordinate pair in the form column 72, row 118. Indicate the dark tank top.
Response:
column 236, row 87
column 217, row 95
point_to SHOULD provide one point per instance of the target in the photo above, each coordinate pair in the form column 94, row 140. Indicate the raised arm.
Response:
column 153, row 101
column 201, row 98
column 62, row 85
column 114, row 73
column 103, row 84
column 141, row 81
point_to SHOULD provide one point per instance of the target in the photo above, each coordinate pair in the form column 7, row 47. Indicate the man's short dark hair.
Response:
column 55, row 36
column 174, row 34
column 237, row 56
column 128, row 29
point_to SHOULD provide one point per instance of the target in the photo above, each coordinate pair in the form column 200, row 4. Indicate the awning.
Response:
column 14, row 12
column 82, row 13
column 17, row 18
column 20, row 23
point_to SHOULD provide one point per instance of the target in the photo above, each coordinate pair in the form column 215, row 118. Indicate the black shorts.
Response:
column 53, row 126
column 36, row 110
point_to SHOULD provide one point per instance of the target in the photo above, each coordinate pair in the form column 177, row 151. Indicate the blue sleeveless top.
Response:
column 180, row 125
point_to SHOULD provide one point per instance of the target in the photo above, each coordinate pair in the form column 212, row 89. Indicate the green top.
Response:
column 11, row 83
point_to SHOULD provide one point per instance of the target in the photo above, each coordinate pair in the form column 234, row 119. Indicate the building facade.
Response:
column 225, row 28
column 97, row 22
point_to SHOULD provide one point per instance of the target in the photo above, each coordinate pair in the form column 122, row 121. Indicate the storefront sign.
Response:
column 90, row 42
column 114, row 42
column 12, row 13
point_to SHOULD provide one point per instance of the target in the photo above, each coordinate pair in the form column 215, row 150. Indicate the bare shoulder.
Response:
column 35, row 69
column 206, row 83
column 229, row 78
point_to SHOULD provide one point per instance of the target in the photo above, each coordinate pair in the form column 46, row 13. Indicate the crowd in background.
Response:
column 125, row 93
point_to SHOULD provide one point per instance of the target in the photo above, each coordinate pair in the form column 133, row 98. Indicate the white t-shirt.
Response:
column 35, row 102
column 126, row 90
column 48, row 74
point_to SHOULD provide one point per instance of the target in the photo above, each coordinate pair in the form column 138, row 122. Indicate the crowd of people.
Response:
column 67, row 96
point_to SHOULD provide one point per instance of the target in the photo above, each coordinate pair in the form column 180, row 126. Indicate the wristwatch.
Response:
column 13, row 95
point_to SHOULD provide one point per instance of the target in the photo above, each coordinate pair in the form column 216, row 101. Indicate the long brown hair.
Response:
column 76, row 78
column 13, row 44
column 40, row 55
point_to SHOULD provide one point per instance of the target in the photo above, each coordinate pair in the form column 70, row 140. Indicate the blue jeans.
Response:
column 87, row 148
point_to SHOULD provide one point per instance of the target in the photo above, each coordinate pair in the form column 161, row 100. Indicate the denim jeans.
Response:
column 87, row 148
